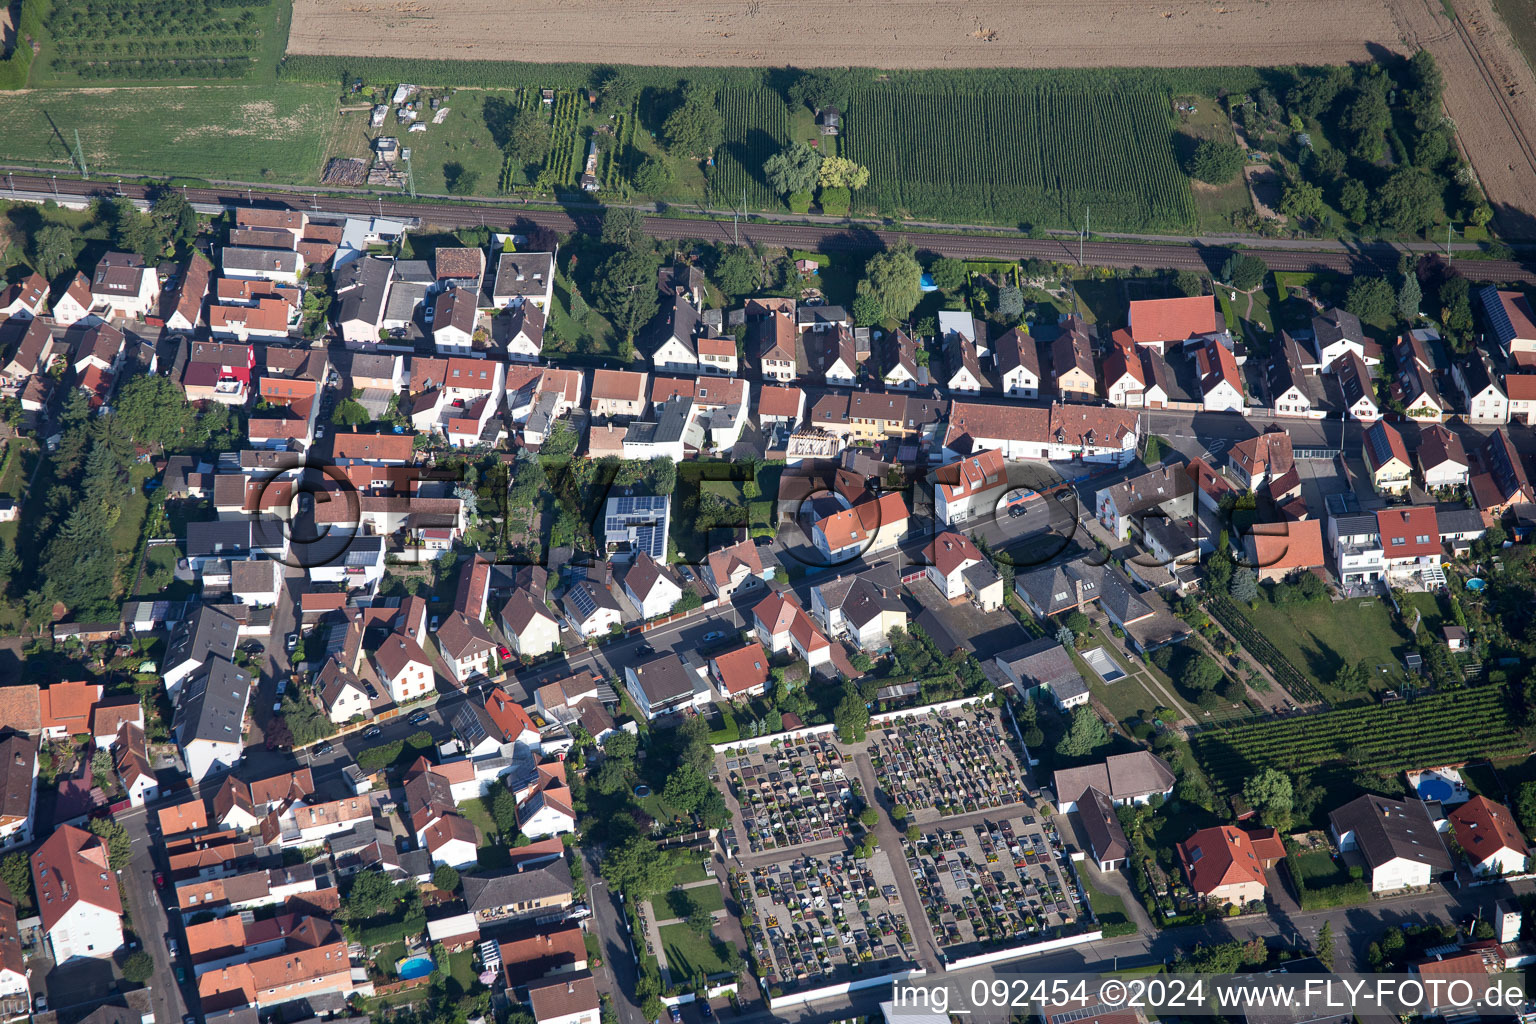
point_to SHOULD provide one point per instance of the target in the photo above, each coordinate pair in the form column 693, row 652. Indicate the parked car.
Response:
column 291, row 642
column 705, row 1010
column 503, row 653
column 714, row 637
column 324, row 748
column 373, row 732
column 282, row 687
column 170, row 946
column 420, row 717
column 433, row 625
column 645, row 650
column 159, row 879
column 677, row 1014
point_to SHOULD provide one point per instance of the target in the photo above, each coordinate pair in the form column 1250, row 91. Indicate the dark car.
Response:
column 373, row 732
column 324, row 748
column 677, row 1014
column 419, row 717
column 1016, row 511
column 705, row 1010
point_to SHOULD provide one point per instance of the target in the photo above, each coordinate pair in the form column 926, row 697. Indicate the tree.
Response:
column 652, row 177
column 840, row 172
column 699, row 920
column 350, row 413
column 740, row 272
column 685, row 788
column 894, row 279
column 1355, row 201
column 638, row 869
column 1525, row 809
column 617, row 89
column 1302, row 201
column 138, row 968
column 818, row 89
column 1010, row 302
column 528, row 135
column 445, row 878
column 101, row 766
column 461, row 180
column 695, row 127
column 1365, row 124
column 1200, row 674
column 1189, row 283
column 1409, row 200
column 794, row 169
column 623, row 226
column 119, row 845
column 866, row 309
column 851, row 716
column 869, row 818
column 1085, row 734
column 1215, row 162
column 1371, row 299
column 1324, row 949
column 1244, row 585
column 1409, row 295
column 835, row 201
column 174, row 217
column 1066, row 637
column 1244, row 271
column 1272, row 795
column 54, row 248
column 947, row 273
column 625, row 289
column 501, row 805
column 16, row 873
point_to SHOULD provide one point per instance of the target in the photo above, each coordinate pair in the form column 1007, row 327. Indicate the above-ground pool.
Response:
column 414, row 967
column 1434, row 788
column 1476, row 584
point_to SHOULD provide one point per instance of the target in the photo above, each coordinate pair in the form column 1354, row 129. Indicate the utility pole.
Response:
column 1448, row 230
column 80, row 155
column 55, row 186
column 410, row 179
column 1082, row 235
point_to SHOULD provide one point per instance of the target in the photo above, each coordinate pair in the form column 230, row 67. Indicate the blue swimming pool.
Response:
column 1476, row 584
column 1432, row 788
column 414, row 967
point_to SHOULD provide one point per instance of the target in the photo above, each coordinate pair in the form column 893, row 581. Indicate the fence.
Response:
column 811, row 995
column 1031, row 949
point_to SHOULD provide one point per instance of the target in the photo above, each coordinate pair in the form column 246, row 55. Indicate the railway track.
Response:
column 983, row 244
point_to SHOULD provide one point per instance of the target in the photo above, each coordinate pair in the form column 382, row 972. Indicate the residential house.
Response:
column 863, row 607
column 737, row 567
column 831, row 355
column 1059, row 589
column 1221, row 384
column 650, row 588
column 360, row 290
column 509, row 721
column 1123, row 779
column 1061, row 433
column 1487, row 402
column 130, row 759
column 1460, row 527
column 302, row 824
column 1396, row 839
column 524, row 334
column 872, row 524
column 531, row 629
column 1357, row 551
column 1521, row 390
column 780, row 405
column 18, row 773
column 1289, row 385
column 590, row 608
column 878, row 416
column 1410, row 541
column 76, row 894
column 1256, row 461
column 281, row 266
column 1072, row 359
column 964, row 365
column 547, row 810
column 1164, row 492
column 619, row 393
column 1442, row 459
column 219, row 372
column 1227, row 865
column 1510, row 320
column 31, row 356
column 742, row 672
column 972, row 486
column 1336, row 334
column 454, row 316
column 781, row 624
column 466, row 646
column 959, row 570
column 1414, row 386
column 557, row 950
column 1125, row 382
column 524, row 277
column 635, row 522
column 404, row 668
column 899, row 364
column 1276, row 550
column 565, row 999
column 15, row 976
column 1500, row 479
column 1489, row 836
column 1101, row 826
column 1156, row 322
column 314, row 962
column 73, row 305
column 1042, row 664
column 1017, row 358
column 210, row 718
column 663, row 684
column 459, row 267
column 25, row 299
column 531, row 894
column 776, row 339
column 123, row 286
column 343, row 693
column 1387, row 459
column 673, row 337
column 821, row 318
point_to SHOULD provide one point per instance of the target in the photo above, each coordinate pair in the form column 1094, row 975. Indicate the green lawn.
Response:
column 1316, row 869
column 689, row 871
column 688, row 953
column 1435, row 611
column 476, row 813
column 275, row 133
column 1319, row 638
column 1107, row 907
column 708, row 897
column 1214, row 204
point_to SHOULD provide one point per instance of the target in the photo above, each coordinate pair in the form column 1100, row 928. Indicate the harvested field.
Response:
column 882, row 33
column 1490, row 93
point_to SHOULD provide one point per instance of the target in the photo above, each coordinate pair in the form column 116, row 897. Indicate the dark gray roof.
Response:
column 1355, row 526
column 1120, row 599
column 664, row 678
column 523, row 273
column 361, row 289
column 1055, row 587
column 671, row 420
column 1388, row 829
column 1102, row 826
column 1041, row 662
column 211, row 705
column 415, row 271
column 860, row 598
column 1477, row 373
column 1333, row 325
column 224, row 537
column 261, row 260
column 488, row 892
column 1459, row 520
column 404, row 298
column 808, row 316
column 206, row 633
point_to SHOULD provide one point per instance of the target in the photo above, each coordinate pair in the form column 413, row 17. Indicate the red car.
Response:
column 159, row 880
column 505, row 654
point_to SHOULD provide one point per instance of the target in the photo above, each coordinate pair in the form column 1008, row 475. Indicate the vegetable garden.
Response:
column 1239, row 625
column 1034, row 154
column 756, row 127
column 1440, row 728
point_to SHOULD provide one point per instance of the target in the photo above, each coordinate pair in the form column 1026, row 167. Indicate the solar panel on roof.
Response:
column 582, row 599
column 1498, row 316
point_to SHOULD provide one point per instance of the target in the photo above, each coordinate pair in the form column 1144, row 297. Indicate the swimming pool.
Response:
column 1476, row 584
column 1434, row 788
column 414, row 967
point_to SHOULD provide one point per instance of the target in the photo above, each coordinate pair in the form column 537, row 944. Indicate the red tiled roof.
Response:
column 1281, row 546
column 950, row 551
column 508, row 715
column 619, row 385
column 384, row 447
column 68, row 706
column 1214, row 857
column 1154, row 320
column 742, row 669
column 1484, row 827
column 1521, row 387
column 860, row 523
column 976, row 472
column 1408, row 524
column 69, row 868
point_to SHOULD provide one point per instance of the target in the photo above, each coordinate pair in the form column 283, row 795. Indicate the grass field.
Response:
column 688, row 953
column 1320, row 638
column 1107, row 907
column 276, row 133
column 706, row 897
column 1519, row 16
column 1214, row 204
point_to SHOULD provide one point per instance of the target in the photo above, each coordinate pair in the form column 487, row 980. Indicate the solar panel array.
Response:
column 1381, row 446
column 581, row 597
column 1498, row 316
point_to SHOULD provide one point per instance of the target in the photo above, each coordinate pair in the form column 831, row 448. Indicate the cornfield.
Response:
column 756, row 127
column 1033, row 154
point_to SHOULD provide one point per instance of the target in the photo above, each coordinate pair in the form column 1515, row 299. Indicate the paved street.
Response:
column 149, row 917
